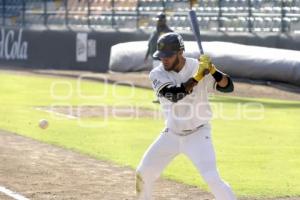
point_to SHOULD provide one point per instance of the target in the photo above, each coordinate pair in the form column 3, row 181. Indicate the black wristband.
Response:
column 228, row 88
column 217, row 76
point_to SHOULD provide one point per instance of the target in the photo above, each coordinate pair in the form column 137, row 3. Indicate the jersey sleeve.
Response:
column 159, row 81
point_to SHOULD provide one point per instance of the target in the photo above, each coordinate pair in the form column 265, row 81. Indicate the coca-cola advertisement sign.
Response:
column 12, row 46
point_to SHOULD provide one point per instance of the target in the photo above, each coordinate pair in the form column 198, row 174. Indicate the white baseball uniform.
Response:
column 187, row 131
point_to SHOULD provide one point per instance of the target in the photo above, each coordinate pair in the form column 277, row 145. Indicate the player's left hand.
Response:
column 205, row 66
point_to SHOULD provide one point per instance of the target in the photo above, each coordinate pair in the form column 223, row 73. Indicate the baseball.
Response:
column 43, row 124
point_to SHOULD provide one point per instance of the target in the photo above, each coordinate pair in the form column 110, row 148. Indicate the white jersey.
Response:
column 193, row 110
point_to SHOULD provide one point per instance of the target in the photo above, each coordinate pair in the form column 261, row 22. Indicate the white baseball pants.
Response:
column 196, row 146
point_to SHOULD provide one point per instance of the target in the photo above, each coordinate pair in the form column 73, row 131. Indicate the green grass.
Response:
column 257, row 157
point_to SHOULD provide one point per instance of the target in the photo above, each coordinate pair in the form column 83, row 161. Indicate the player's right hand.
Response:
column 204, row 67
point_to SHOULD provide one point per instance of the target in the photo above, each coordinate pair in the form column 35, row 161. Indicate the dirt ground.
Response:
column 42, row 171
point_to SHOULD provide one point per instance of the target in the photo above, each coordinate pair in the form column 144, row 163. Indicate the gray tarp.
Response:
column 238, row 60
column 128, row 57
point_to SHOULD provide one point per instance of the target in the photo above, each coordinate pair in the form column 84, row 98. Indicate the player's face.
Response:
column 170, row 63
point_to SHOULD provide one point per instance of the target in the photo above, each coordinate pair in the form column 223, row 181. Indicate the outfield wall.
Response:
column 90, row 50
column 59, row 49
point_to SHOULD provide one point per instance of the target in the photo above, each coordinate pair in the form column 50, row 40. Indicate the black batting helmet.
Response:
column 168, row 44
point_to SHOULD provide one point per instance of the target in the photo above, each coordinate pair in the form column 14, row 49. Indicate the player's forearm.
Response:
column 219, row 77
column 147, row 54
column 175, row 93
column 190, row 84
column 224, row 82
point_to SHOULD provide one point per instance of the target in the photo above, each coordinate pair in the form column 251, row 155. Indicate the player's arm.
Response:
column 165, row 88
column 224, row 82
column 147, row 53
column 151, row 42
column 176, row 93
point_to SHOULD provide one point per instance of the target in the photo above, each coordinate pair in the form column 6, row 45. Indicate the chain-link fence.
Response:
column 213, row 15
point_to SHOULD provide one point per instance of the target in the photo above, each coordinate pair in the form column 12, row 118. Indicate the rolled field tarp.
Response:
column 240, row 61
column 129, row 57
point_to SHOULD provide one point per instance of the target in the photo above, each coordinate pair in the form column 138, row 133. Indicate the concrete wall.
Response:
column 90, row 50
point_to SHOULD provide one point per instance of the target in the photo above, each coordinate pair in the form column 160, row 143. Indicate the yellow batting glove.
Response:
column 204, row 65
column 199, row 74
column 212, row 69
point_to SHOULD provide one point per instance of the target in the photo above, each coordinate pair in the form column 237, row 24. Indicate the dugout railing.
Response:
column 213, row 15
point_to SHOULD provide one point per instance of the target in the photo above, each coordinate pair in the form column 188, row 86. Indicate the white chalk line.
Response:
column 12, row 194
column 57, row 113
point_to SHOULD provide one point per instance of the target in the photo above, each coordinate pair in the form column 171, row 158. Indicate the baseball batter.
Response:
column 181, row 86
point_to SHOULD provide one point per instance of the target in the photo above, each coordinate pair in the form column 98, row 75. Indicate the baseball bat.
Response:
column 195, row 29
column 196, row 32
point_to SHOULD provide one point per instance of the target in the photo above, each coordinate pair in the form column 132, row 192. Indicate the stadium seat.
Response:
column 267, row 15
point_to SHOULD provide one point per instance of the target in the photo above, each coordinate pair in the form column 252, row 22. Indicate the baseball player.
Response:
column 181, row 85
column 161, row 28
